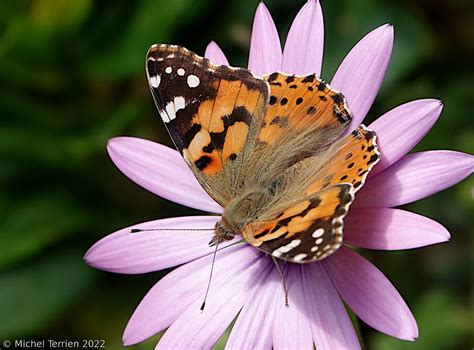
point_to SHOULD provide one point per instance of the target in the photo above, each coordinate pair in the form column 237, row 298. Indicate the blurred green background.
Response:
column 72, row 76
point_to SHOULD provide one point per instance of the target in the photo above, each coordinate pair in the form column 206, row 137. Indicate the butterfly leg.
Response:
column 282, row 276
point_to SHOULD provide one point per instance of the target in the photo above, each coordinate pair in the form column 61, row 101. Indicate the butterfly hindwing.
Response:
column 311, row 229
column 303, row 118
column 308, row 230
column 210, row 112
column 348, row 160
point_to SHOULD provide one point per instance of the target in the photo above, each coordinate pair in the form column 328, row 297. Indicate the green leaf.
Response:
column 32, row 296
column 16, row 142
column 59, row 15
column 152, row 22
column 33, row 225
column 350, row 20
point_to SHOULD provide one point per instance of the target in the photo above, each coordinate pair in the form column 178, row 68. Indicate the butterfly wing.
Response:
column 303, row 118
column 311, row 228
column 211, row 112
column 306, row 231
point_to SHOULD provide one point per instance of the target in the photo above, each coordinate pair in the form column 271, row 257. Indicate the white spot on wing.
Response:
column 170, row 110
column 318, row 233
column 276, row 253
column 168, row 70
column 286, row 248
column 193, row 81
column 319, row 241
column 172, row 107
column 299, row 257
column 181, row 71
column 315, row 248
column 164, row 116
column 155, row 81
column 179, row 103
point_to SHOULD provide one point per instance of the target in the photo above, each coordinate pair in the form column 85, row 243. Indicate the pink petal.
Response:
column 141, row 252
column 265, row 48
column 291, row 325
column 361, row 73
column 182, row 291
column 390, row 229
column 303, row 53
column 194, row 329
column 215, row 54
column 370, row 294
column 253, row 328
column 400, row 129
column 161, row 170
column 331, row 326
column 415, row 176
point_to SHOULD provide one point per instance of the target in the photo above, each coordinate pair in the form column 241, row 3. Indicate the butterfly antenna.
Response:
column 210, row 277
column 136, row 230
column 282, row 276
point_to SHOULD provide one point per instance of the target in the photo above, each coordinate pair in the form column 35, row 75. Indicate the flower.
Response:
column 245, row 281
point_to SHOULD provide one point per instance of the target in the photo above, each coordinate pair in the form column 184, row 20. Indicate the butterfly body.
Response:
column 268, row 149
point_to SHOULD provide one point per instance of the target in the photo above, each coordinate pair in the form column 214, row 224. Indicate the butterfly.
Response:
column 268, row 149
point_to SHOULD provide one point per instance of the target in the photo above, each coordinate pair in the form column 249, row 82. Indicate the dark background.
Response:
column 72, row 77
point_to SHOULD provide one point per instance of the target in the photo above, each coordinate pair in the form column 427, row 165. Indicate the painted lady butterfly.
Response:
column 269, row 150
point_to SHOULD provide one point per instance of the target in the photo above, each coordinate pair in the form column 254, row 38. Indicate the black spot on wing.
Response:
column 341, row 115
column 239, row 114
column 311, row 110
column 272, row 77
column 203, row 162
column 281, row 121
column 373, row 158
column 322, row 86
column 338, row 98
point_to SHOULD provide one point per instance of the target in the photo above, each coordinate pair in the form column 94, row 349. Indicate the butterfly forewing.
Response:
column 210, row 112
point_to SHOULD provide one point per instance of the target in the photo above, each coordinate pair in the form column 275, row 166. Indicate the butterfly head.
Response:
column 223, row 231
column 240, row 212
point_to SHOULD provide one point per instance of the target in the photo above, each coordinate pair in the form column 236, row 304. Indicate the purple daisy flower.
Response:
column 245, row 281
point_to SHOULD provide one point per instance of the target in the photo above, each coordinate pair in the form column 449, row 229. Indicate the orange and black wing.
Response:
column 312, row 228
column 303, row 118
column 210, row 112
